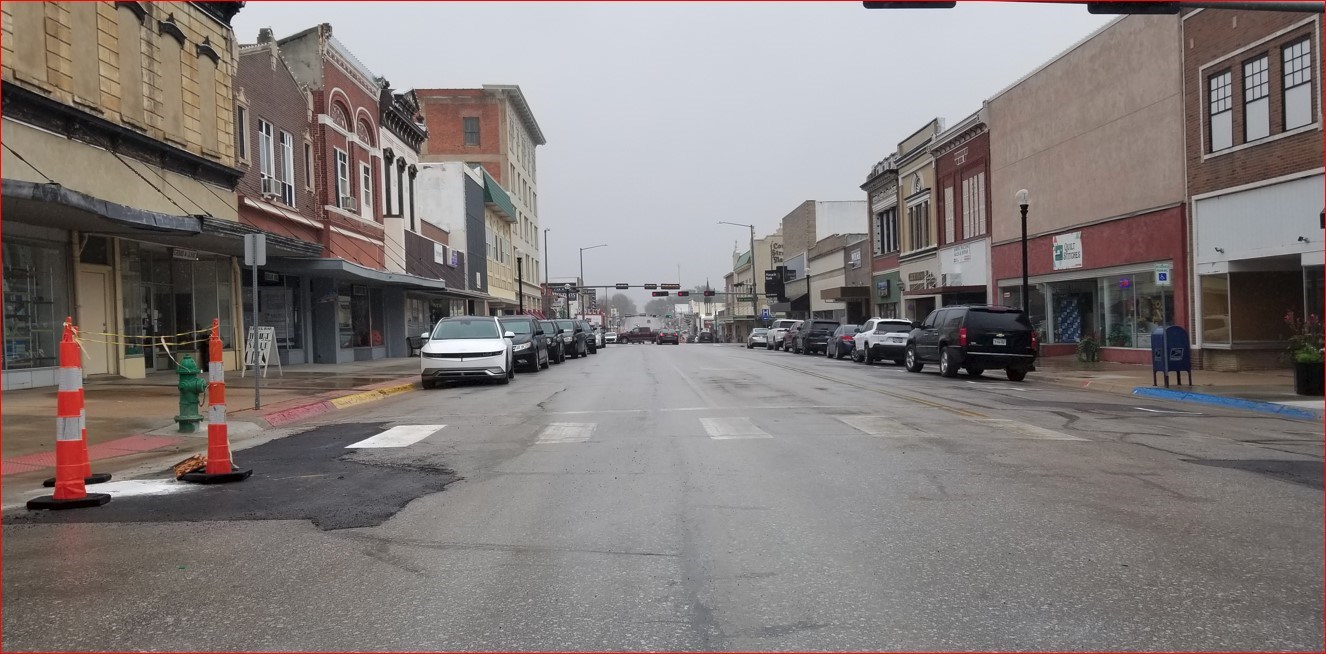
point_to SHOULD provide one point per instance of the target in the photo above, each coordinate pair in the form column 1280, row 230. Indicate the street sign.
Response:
column 764, row 314
column 669, row 287
column 1163, row 274
column 255, row 249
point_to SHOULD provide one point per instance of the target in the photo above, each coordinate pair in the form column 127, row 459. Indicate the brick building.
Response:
column 119, row 184
column 918, row 258
column 962, row 174
column 1105, row 174
column 1252, row 102
column 881, row 189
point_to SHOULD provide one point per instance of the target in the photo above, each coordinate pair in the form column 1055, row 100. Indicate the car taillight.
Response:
column 962, row 337
column 1034, row 342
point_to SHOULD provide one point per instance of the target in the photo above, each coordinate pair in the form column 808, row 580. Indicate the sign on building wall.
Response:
column 1068, row 251
column 439, row 253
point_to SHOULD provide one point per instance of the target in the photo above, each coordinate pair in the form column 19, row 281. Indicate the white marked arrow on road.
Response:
column 400, row 436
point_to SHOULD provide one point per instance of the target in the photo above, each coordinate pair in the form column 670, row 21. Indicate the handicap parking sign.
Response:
column 765, row 313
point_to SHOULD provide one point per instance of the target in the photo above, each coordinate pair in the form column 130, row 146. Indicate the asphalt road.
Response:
column 707, row 497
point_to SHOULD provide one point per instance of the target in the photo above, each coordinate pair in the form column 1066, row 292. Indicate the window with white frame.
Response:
column 973, row 205
column 1221, row 110
column 892, row 234
column 242, row 128
column 918, row 222
column 470, row 126
column 1256, row 98
column 342, row 175
column 266, row 155
column 949, row 227
column 366, row 189
column 286, row 172
column 1298, row 83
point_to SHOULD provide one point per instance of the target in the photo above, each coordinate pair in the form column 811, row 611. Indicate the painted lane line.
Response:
column 401, row 436
column 566, row 432
column 1015, row 429
column 1177, row 413
column 880, row 426
column 732, row 428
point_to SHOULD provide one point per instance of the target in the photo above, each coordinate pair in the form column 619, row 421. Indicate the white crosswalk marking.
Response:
column 1015, row 429
column 399, row 436
column 566, row 432
column 880, row 426
column 732, row 428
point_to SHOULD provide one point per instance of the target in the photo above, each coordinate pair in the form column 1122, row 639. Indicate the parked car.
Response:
column 706, row 337
column 600, row 337
column 668, row 336
column 974, row 337
column 758, row 336
column 529, row 346
column 556, row 344
column 842, row 341
column 813, row 336
column 883, row 338
column 573, row 338
column 591, row 341
column 778, row 331
column 790, row 335
column 467, row 347
column 610, row 337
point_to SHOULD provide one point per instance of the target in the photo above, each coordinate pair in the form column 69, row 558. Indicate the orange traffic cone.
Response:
column 70, row 492
column 219, row 469
column 89, row 477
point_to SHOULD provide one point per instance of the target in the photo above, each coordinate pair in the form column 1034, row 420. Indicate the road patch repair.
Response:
column 306, row 476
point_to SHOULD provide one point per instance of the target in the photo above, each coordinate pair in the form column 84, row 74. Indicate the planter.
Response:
column 1308, row 378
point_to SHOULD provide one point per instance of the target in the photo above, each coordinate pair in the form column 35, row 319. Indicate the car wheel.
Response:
column 946, row 367
column 913, row 362
column 429, row 383
column 856, row 356
column 1016, row 375
column 546, row 362
column 973, row 371
column 868, row 356
column 827, row 355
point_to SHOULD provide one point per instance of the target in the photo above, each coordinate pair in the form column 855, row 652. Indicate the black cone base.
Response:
column 221, row 478
column 94, row 478
column 49, row 503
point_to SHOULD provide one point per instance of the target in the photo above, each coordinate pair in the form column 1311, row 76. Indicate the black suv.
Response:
column 556, row 346
column 530, row 346
column 813, row 336
column 573, row 338
column 591, row 340
column 975, row 337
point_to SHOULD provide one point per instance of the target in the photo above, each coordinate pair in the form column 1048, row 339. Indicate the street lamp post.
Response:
column 1024, row 201
column 754, row 283
column 582, row 270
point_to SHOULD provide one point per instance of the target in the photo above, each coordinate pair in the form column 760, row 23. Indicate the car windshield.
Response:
column 549, row 327
column 827, row 326
column 1001, row 320
column 518, row 326
column 462, row 328
column 567, row 325
column 760, row 330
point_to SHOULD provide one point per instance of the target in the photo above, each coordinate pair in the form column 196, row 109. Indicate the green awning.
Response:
column 496, row 198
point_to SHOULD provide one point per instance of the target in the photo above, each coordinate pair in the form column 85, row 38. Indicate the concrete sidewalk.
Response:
column 130, row 420
column 1267, row 391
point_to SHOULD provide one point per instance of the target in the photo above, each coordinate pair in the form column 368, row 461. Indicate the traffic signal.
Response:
column 708, row 293
column 683, row 293
column 660, row 293
column 670, row 287
column 623, row 286
column 650, row 287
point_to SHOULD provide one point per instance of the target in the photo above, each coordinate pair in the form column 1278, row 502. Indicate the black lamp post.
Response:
column 1024, row 200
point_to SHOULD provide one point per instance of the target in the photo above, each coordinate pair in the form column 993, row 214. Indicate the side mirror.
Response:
column 425, row 334
column 916, row 325
column 509, row 335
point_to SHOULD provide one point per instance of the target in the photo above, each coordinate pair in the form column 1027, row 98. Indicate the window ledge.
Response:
column 1316, row 125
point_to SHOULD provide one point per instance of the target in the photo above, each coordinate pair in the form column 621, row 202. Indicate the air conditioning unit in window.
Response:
column 270, row 188
column 349, row 203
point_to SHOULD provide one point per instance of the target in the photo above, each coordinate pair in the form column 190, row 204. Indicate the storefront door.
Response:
column 94, row 320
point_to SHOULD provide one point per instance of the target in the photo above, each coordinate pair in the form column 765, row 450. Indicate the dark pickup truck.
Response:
column 638, row 335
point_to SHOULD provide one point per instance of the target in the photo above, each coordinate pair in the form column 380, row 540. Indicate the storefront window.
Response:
column 1133, row 307
column 344, row 318
column 1313, row 288
column 36, row 302
column 1215, row 325
column 1073, row 307
column 416, row 316
column 136, row 299
column 1155, row 308
column 1011, row 296
column 360, row 316
column 279, row 307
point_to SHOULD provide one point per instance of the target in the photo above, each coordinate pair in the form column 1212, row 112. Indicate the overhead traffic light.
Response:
column 669, row 287
column 683, row 293
column 623, row 286
column 650, row 287
column 660, row 293
column 708, row 293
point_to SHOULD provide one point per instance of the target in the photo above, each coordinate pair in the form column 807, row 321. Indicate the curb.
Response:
column 1231, row 402
column 295, row 414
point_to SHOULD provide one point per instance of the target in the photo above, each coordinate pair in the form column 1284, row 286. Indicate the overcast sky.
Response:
column 664, row 118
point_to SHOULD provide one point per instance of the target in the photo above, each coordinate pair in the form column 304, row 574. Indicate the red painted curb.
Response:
column 298, row 413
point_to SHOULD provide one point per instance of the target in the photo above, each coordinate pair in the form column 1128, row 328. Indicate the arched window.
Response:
column 364, row 133
column 340, row 117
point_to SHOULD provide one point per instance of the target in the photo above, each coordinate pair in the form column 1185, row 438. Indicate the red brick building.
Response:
column 962, row 183
column 1252, row 103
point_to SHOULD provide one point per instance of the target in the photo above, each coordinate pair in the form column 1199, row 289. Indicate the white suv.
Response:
column 882, row 338
column 467, row 347
column 776, row 332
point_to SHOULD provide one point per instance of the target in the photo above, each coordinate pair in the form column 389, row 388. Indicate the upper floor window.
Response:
column 286, row 170
column 342, row 176
column 242, row 128
column 918, row 220
column 471, row 127
column 1298, row 84
column 877, row 237
column 266, row 155
column 308, row 165
column 1256, row 99
column 339, row 116
column 892, row 239
column 973, row 205
column 950, row 227
column 1221, row 110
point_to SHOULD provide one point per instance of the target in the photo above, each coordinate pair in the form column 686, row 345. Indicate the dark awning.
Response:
column 846, row 293
column 53, row 205
column 342, row 270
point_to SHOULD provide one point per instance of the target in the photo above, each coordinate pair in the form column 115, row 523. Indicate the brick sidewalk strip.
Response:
column 109, row 449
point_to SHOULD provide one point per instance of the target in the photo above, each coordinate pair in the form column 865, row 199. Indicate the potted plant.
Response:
column 1121, row 335
column 1088, row 350
column 1305, row 351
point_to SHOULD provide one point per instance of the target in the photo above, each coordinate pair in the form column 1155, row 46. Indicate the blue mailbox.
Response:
column 1171, row 352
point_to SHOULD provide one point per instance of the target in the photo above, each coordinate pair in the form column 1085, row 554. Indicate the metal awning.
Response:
column 342, row 270
column 496, row 198
column 54, row 205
